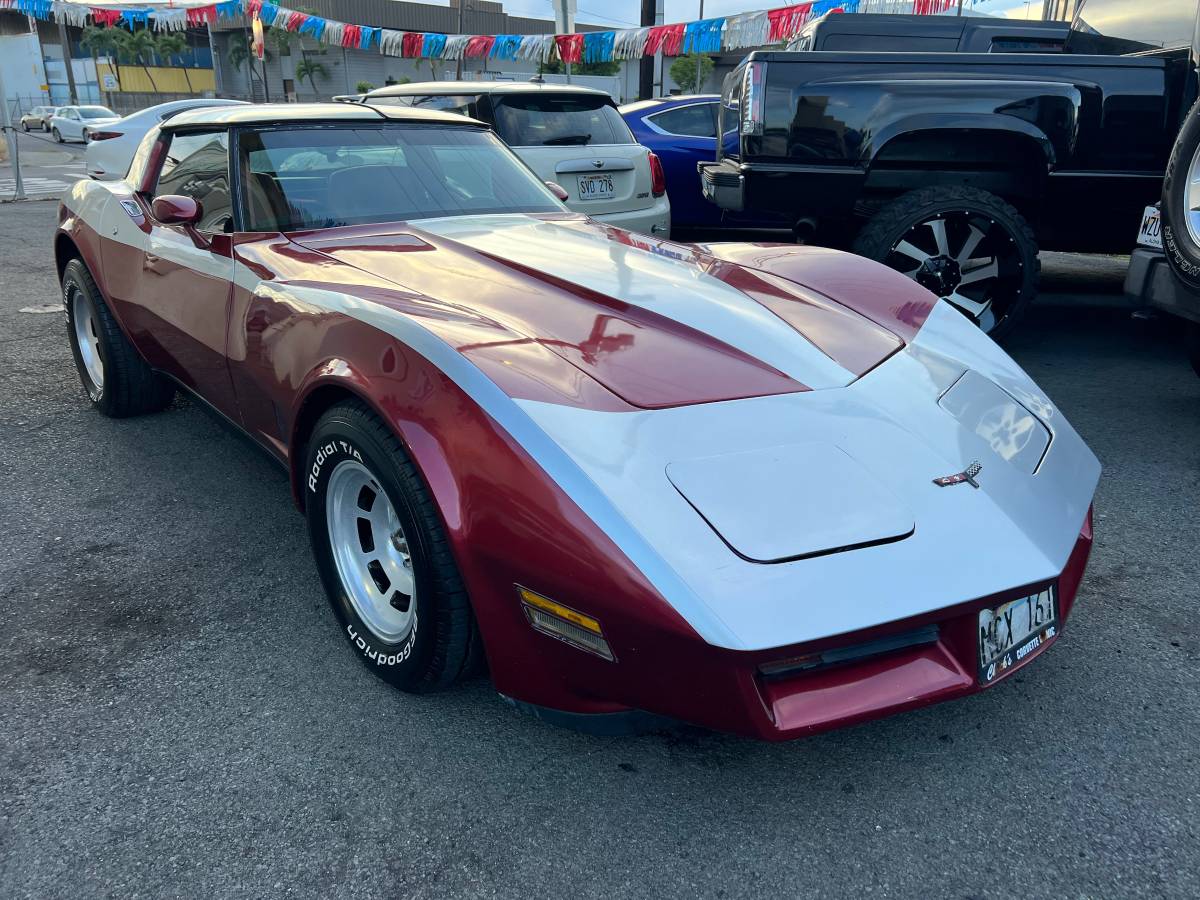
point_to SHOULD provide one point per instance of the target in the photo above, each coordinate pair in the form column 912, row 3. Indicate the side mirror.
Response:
column 558, row 190
column 175, row 209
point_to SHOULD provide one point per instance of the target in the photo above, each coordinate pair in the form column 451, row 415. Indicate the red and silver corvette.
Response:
column 766, row 489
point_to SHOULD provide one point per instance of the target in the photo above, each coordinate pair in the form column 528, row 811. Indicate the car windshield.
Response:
column 96, row 112
column 326, row 176
column 549, row 120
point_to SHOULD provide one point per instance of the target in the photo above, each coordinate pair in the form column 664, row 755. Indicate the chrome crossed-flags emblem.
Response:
column 966, row 476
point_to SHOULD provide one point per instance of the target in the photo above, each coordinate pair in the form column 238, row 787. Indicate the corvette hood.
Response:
column 657, row 324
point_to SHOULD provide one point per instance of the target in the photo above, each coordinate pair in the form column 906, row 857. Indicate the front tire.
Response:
column 25, row 127
column 1181, row 203
column 965, row 245
column 57, row 137
column 383, row 556
column 115, row 378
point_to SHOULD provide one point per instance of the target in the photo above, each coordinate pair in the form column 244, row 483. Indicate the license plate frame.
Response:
column 1013, row 633
column 589, row 187
column 1150, row 231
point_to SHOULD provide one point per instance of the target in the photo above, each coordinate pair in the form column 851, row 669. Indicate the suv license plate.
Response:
column 1013, row 633
column 1150, row 234
column 595, row 187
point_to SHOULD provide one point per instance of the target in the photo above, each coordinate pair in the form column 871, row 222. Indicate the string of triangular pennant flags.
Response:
column 750, row 29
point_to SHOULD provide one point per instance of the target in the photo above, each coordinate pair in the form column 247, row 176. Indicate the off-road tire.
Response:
column 130, row 387
column 444, row 644
column 895, row 219
column 1179, row 246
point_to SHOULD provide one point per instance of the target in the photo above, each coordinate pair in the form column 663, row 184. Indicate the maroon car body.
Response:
column 446, row 334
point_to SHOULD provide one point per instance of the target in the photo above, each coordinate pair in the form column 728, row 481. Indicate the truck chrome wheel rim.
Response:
column 1191, row 199
column 83, row 318
column 370, row 551
column 965, row 258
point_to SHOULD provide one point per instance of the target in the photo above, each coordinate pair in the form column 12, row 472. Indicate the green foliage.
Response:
column 104, row 41
column 170, row 43
column 311, row 69
column 403, row 79
column 683, row 70
column 363, row 87
column 556, row 67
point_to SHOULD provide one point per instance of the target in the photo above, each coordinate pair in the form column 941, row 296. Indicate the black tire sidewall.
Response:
column 57, row 135
column 1182, row 252
column 75, row 278
column 335, row 439
column 927, row 203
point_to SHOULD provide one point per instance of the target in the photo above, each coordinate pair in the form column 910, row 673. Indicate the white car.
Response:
column 111, row 149
column 569, row 135
column 75, row 123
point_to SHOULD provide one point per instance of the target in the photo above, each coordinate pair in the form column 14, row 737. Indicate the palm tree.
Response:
column 141, row 46
column 106, row 41
column 310, row 68
column 172, row 43
column 239, row 52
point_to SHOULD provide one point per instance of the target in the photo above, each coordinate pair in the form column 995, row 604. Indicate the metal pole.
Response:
column 700, row 58
column 960, row 3
column 66, row 50
column 458, row 62
column 10, row 135
column 646, row 63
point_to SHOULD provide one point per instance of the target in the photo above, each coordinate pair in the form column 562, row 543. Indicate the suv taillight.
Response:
column 753, row 92
column 103, row 135
column 658, row 178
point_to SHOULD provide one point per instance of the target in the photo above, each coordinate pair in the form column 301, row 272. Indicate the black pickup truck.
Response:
column 954, row 168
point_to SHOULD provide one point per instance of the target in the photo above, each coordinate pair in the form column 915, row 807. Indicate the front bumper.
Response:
column 654, row 220
column 664, row 678
column 1150, row 282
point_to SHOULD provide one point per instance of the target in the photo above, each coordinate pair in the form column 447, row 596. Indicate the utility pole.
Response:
column 11, row 136
column 462, row 5
column 700, row 57
column 646, row 63
column 66, row 50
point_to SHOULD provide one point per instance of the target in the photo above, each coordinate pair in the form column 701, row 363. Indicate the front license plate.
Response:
column 595, row 187
column 1150, row 235
column 1012, row 633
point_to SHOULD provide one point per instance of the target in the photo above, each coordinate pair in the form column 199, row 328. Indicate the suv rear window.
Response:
column 557, row 120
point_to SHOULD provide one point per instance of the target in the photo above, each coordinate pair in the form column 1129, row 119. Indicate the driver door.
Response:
column 181, row 303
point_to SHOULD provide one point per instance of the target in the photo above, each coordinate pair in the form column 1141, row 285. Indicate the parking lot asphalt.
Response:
column 179, row 715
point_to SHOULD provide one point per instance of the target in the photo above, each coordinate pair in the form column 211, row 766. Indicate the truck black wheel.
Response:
column 383, row 554
column 1181, row 203
column 967, row 246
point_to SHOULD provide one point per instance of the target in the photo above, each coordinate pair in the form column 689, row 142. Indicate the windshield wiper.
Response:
column 567, row 139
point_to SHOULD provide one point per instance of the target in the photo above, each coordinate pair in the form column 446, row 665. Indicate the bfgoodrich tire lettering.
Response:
column 1180, row 242
column 442, row 643
column 115, row 378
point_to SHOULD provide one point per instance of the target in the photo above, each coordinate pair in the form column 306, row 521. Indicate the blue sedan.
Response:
column 683, row 131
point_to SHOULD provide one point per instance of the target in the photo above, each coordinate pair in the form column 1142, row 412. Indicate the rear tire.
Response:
column 965, row 245
column 383, row 555
column 115, row 378
column 1181, row 215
